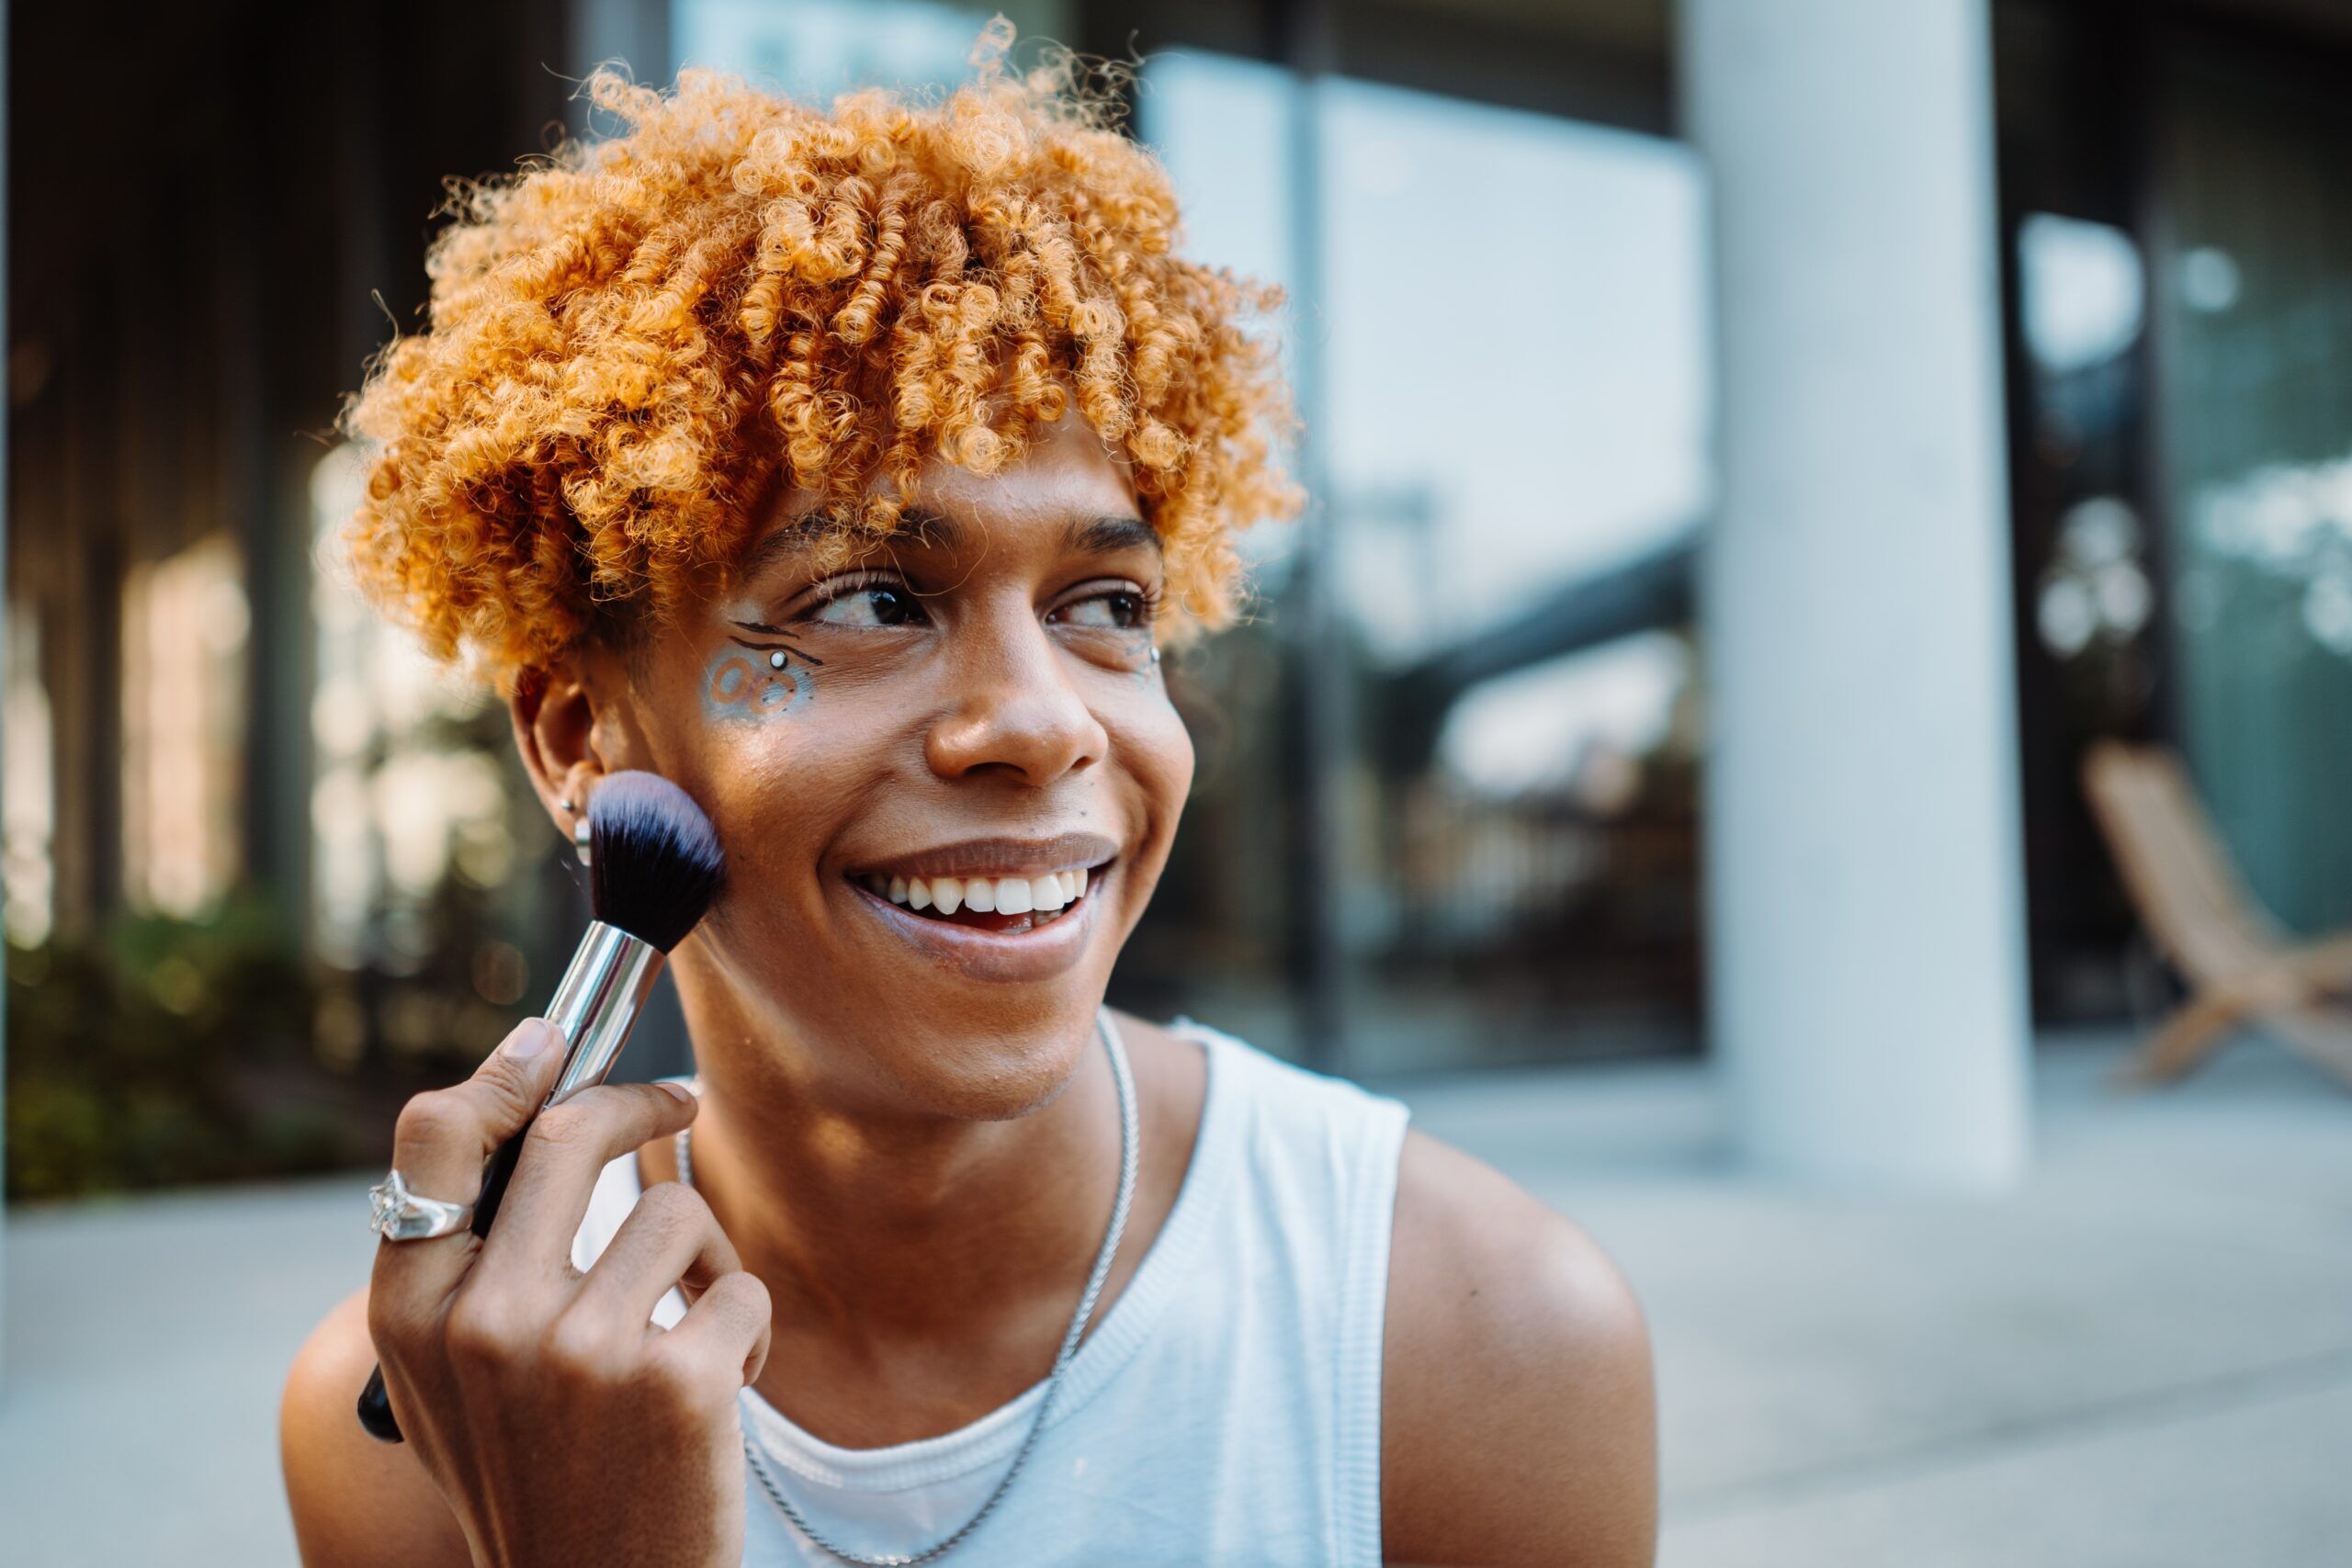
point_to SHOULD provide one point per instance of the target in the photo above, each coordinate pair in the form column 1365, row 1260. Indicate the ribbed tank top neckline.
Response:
column 1110, row 1343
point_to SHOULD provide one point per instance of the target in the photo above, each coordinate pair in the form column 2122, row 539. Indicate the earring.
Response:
column 1155, row 655
column 581, row 841
column 566, row 806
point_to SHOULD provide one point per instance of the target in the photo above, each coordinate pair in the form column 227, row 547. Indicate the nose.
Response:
column 1013, row 709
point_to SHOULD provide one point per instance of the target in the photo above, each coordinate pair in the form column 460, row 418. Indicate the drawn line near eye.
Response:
column 792, row 648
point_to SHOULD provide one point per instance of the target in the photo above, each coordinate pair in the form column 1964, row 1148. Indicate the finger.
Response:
column 671, row 1233
column 440, row 1144
column 567, row 1148
column 726, row 1332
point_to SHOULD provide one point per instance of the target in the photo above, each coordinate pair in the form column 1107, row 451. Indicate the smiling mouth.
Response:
column 1007, row 905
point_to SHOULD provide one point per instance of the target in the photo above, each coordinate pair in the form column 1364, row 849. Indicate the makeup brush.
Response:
column 654, row 865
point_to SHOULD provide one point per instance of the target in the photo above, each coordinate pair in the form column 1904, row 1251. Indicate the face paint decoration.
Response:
column 751, row 680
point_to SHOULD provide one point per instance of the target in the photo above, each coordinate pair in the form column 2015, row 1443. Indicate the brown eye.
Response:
column 1122, row 609
column 872, row 606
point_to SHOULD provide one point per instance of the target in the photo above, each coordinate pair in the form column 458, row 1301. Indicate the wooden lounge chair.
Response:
column 2240, row 966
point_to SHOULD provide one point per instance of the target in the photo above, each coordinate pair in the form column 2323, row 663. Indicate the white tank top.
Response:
column 1225, row 1409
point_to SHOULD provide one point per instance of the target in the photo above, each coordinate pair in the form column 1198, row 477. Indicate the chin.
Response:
column 989, row 1073
column 905, row 1014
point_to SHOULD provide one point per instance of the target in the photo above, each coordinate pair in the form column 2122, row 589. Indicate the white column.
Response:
column 1865, row 913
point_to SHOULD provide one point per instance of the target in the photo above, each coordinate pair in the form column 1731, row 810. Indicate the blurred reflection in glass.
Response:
column 811, row 49
column 28, row 794
column 426, row 932
column 1513, row 320
column 183, row 631
column 2253, row 307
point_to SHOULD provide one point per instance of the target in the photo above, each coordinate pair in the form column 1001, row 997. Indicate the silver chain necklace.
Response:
column 1118, row 1050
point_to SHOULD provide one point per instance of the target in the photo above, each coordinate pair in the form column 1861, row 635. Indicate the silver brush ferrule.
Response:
column 597, row 1001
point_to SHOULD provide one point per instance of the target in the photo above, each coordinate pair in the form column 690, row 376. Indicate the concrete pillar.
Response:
column 1865, row 913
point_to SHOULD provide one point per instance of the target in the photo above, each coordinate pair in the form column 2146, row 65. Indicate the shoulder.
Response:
column 1291, row 1101
column 355, row 1501
column 1518, row 1416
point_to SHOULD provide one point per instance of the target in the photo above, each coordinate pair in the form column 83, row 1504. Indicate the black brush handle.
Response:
column 495, row 1178
column 376, row 1410
column 374, row 1403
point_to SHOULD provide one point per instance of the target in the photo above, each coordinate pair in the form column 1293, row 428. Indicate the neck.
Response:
column 877, row 1229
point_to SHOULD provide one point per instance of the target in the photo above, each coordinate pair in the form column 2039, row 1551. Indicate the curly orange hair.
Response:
column 632, row 341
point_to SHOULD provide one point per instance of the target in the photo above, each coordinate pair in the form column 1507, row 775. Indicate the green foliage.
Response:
column 128, row 1055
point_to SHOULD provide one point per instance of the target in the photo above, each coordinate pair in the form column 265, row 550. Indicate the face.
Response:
column 946, row 778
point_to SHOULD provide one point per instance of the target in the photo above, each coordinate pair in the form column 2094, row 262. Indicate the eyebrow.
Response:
column 785, row 540
column 932, row 530
column 1108, row 535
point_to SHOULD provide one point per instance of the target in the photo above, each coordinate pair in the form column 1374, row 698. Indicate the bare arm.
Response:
column 1518, row 1424
column 357, row 1503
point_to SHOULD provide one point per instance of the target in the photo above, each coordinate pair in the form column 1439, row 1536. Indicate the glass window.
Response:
column 184, row 625
column 28, row 784
column 2253, row 303
column 433, row 937
column 813, row 49
column 1511, row 324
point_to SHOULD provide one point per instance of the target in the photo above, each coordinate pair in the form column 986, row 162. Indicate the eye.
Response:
column 1120, row 609
column 875, row 604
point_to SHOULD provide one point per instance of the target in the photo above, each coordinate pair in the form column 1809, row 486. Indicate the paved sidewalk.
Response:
column 2143, row 1358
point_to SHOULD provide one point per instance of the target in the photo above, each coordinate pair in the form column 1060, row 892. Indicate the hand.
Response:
column 560, row 1426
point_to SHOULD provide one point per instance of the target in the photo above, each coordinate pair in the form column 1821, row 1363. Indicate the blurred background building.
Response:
column 266, row 872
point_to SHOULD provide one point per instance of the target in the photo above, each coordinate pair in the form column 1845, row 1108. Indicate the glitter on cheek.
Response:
column 736, row 688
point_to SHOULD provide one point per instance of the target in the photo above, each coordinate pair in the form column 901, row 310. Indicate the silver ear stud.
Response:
column 1155, row 656
column 566, row 806
column 775, row 660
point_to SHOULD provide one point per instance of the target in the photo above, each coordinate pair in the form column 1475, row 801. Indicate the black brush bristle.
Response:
column 654, row 863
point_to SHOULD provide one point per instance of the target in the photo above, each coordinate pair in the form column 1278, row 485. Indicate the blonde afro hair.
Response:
column 635, row 340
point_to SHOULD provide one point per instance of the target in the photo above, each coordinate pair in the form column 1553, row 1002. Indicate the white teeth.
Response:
column 1044, row 894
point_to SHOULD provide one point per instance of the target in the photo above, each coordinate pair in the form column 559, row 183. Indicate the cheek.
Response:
column 782, row 756
column 1157, row 751
column 751, row 722
column 787, row 783
column 743, row 688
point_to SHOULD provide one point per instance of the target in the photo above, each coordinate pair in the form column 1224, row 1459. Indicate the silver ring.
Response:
column 398, row 1215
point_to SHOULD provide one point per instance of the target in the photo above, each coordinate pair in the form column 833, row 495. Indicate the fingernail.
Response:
column 529, row 1041
column 681, row 1091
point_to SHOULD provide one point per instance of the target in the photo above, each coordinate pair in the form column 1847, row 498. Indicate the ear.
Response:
column 554, row 715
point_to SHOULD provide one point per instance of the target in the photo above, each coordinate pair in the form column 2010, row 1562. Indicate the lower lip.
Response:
column 1038, row 953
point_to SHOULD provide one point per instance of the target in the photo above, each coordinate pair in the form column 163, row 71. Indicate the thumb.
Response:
column 513, row 1081
column 444, row 1135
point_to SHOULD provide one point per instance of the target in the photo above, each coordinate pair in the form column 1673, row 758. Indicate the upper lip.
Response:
column 997, row 857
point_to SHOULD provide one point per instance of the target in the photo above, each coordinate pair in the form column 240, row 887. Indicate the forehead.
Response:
column 1068, row 477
